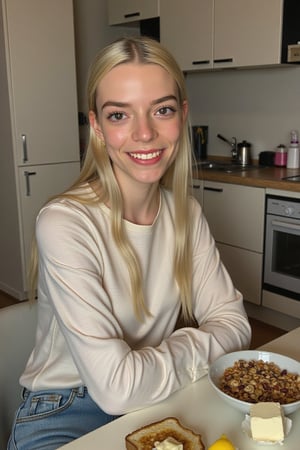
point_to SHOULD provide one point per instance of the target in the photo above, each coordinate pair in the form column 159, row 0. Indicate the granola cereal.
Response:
column 259, row 381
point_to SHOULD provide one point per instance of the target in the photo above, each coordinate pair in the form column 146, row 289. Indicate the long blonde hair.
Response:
column 97, row 166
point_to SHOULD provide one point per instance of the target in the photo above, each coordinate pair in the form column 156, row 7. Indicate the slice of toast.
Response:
column 145, row 437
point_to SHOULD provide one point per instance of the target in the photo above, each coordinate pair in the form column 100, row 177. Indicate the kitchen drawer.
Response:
column 235, row 214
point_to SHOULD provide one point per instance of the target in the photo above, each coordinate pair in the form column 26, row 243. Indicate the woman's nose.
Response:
column 144, row 129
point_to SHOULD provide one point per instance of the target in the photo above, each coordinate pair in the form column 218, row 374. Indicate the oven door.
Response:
column 282, row 256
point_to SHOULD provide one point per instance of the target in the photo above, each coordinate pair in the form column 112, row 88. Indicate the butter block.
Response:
column 266, row 422
column 168, row 444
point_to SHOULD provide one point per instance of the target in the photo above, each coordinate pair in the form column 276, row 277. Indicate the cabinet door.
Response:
column 36, row 185
column 197, row 190
column 122, row 11
column 245, row 269
column 186, row 30
column 247, row 33
column 41, row 65
column 235, row 214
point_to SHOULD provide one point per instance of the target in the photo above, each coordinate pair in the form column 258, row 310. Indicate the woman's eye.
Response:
column 116, row 116
column 166, row 110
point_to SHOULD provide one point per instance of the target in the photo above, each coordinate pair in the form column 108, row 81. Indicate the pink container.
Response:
column 280, row 156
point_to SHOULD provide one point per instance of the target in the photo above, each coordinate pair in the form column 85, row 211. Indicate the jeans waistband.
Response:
column 80, row 391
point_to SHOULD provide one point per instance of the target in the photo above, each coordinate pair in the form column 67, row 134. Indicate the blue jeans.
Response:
column 49, row 419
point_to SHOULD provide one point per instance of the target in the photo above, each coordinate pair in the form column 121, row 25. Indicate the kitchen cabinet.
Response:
column 247, row 33
column 34, row 193
column 40, row 58
column 38, row 129
column 197, row 190
column 123, row 11
column 205, row 34
column 188, row 32
column 236, row 218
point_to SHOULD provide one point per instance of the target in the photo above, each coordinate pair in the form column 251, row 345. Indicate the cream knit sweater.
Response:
column 87, row 333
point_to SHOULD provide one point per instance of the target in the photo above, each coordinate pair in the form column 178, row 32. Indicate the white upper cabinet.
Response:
column 212, row 34
column 122, row 11
column 41, row 69
column 186, row 29
column 247, row 33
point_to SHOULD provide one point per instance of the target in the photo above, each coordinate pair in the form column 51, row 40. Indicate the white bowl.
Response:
column 217, row 368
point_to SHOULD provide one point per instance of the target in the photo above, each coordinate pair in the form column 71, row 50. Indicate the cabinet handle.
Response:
column 203, row 61
column 223, row 60
column 196, row 186
column 24, row 144
column 27, row 175
column 135, row 14
column 213, row 189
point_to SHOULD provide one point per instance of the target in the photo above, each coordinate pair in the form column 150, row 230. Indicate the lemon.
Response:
column 222, row 444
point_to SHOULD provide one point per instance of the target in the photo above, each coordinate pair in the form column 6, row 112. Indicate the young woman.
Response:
column 134, row 302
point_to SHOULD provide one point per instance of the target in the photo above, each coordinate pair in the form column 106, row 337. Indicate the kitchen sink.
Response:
column 227, row 167
column 295, row 178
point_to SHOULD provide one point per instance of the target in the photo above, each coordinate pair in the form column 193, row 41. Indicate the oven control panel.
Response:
column 280, row 206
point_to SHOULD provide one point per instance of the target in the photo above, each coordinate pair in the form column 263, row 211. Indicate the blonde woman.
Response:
column 134, row 302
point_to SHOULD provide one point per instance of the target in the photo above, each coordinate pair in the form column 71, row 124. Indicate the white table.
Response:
column 199, row 408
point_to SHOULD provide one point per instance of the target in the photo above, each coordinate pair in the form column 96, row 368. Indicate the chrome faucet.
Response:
column 233, row 145
column 234, row 149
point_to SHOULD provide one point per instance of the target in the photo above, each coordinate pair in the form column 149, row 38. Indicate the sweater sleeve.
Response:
column 119, row 378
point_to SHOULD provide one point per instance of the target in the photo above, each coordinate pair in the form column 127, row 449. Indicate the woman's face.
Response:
column 140, row 120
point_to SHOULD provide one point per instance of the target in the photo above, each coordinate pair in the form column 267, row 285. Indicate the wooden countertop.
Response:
column 265, row 177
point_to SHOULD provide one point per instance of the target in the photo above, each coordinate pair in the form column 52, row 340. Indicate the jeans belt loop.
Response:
column 81, row 391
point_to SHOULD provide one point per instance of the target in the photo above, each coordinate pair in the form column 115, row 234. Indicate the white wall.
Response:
column 259, row 105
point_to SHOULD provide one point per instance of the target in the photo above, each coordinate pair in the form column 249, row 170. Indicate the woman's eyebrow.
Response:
column 164, row 99
column 115, row 104
column 125, row 104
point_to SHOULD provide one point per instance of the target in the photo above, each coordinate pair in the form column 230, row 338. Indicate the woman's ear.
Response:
column 185, row 110
column 95, row 125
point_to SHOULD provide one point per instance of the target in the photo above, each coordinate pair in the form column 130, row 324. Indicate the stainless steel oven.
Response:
column 282, row 247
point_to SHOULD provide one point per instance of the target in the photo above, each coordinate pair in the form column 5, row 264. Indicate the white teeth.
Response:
column 145, row 155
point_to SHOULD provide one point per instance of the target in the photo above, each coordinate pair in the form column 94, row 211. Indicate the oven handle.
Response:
column 288, row 225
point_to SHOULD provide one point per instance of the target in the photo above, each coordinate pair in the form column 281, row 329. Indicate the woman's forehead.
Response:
column 135, row 78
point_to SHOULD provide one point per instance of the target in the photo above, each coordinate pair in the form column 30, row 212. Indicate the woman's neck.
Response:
column 141, row 207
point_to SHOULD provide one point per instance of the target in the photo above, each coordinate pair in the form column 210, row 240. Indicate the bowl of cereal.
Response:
column 246, row 377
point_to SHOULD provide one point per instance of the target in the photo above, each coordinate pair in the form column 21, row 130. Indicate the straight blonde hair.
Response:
column 178, row 177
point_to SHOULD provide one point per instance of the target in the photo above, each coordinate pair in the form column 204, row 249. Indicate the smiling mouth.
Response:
column 146, row 156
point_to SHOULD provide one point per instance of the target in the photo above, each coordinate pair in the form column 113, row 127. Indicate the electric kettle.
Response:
column 244, row 153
